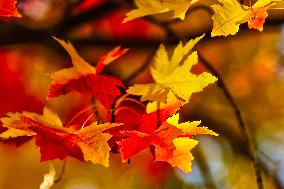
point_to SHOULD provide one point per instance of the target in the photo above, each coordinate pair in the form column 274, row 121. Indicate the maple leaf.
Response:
column 171, row 142
column 172, row 77
column 135, row 116
column 85, row 78
column 149, row 7
column 129, row 112
column 17, row 127
column 58, row 142
column 48, row 179
column 158, row 112
column 8, row 8
column 231, row 14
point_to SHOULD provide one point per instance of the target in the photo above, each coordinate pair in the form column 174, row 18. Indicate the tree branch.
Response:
column 140, row 69
column 243, row 128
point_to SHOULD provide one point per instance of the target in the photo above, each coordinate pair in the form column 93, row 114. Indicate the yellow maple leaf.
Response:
column 173, row 77
column 149, row 7
column 190, row 128
column 181, row 156
column 172, row 103
column 230, row 14
column 17, row 127
column 94, row 143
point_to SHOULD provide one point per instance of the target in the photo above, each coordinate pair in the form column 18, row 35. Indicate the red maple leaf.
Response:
column 171, row 142
column 58, row 142
column 84, row 78
column 134, row 117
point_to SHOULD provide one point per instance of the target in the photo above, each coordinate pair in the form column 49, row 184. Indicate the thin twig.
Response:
column 29, row 35
column 63, row 168
column 139, row 70
column 243, row 128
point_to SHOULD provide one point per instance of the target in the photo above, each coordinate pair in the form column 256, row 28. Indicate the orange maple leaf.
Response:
column 258, row 20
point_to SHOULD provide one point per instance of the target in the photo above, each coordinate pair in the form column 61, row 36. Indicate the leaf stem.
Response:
column 158, row 114
column 63, row 168
column 78, row 114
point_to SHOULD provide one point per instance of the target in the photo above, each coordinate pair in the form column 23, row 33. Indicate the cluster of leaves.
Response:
column 156, row 127
column 119, row 123
column 227, row 17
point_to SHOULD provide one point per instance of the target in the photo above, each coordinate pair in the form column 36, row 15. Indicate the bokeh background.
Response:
column 251, row 64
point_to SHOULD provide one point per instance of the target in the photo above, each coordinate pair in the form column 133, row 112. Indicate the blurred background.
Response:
column 251, row 64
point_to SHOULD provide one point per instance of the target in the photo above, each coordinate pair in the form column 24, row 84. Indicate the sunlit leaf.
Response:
column 173, row 78
column 150, row 7
column 84, row 78
column 171, row 142
column 230, row 14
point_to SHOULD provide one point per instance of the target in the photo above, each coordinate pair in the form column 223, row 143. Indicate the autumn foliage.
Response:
column 127, row 120
column 158, row 129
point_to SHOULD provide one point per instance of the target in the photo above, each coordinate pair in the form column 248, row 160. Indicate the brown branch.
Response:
column 243, row 128
column 42, row 36
column 140, row 69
